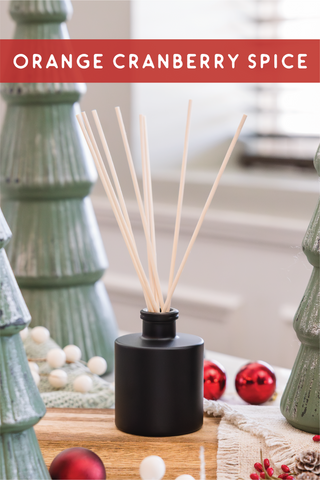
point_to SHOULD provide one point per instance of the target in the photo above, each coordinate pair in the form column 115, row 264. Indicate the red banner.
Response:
column 163, row 61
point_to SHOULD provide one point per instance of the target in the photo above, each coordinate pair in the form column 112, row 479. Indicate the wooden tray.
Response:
column 122, row 453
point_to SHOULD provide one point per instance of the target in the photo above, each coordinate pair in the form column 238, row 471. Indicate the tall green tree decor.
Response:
column 300, row 403
column 46, row 175
column 21, row 406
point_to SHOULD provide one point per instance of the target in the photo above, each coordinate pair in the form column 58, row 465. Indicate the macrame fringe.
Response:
column 280, row 449
column 228, row 453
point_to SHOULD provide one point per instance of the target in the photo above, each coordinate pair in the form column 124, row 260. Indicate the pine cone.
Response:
column 308, row 462
column 307, row 476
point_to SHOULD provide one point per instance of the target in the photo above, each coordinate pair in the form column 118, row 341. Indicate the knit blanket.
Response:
column 101, row 395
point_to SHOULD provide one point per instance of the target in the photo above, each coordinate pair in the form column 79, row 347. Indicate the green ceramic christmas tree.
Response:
column 300, row 402
column 46, row 174
column 21, row 406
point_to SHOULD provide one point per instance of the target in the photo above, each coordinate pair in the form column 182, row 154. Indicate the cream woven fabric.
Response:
column 101, row 395
column 244, row 430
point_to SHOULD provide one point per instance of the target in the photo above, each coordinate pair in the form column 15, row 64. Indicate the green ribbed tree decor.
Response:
column 21, row 406
column 300, row 403
column 46, row 175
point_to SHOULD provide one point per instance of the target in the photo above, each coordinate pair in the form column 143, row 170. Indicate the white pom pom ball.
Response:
column 35, row 377
column 73, row 353
column 185, row 477
column 152, row 468
column 58, row 378
column 24, row 333
column 56, row 358
column 97, row 365
column 40, row 334
column 82, row 384
column 33, row 367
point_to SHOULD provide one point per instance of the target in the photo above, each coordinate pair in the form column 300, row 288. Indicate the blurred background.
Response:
column 247, row 274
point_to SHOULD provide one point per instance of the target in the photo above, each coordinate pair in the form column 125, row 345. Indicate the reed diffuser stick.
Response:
column 119, row 216
column 111, row 165
column 204, row 211
column 140, row 205
column 150, row 195
column 144, row 169
column 149, row 186
column 180, row 198
column 146, row 197
column 153, row 295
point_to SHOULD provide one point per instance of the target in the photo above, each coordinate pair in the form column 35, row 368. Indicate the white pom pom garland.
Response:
column 35, row 377
column 97, row 365
column 40, row 334
column 58, row 378
column 73, row 353
column 56, row 358
column 152, row 468
column 33, row 367
column 24, row 333
column 82, row 384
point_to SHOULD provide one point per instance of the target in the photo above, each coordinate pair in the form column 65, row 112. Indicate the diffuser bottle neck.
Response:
column 159, row 326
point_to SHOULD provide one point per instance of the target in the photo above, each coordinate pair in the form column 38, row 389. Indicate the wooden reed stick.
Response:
column 146, row 196
column 150, row 196
column 149, row 187
column 180, row 198
column 144, row 169
column 204, row 211
column 120, row 219
column 111, row 166
column 140, row 204
column 151, row 304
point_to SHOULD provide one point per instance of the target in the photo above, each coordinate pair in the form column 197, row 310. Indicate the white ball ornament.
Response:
column 82, row 384
column 152, row 468
column 33, row 367
column 24, row 333
column 56, row 358
column 58, row 378
column 73, row 353
column 40, row 334
column 185, row 477
column 97, row 365
column 35, row 377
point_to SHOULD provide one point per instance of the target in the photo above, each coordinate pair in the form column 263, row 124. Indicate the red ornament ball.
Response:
column 214, row 380
column 77, row 464
column 256, row 382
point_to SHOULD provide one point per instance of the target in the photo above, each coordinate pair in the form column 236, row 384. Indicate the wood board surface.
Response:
column 122, row 453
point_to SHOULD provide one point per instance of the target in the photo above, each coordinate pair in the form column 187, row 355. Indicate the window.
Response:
column 284, row 121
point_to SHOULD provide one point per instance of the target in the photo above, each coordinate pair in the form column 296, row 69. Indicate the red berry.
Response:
column 266, row 463
column 316, row 438
column 289, row 477
column 254, row 476
column 285, row 468
column 283, row 475
column 258, row 467
column 270, row 471
column 262, row 475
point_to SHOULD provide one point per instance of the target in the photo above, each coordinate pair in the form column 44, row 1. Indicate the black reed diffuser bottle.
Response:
column 158, row 375
column 159, row 379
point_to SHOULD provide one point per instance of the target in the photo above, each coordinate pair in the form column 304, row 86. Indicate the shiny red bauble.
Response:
column 256, row 382
column 77, row 464
column 214, row 380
